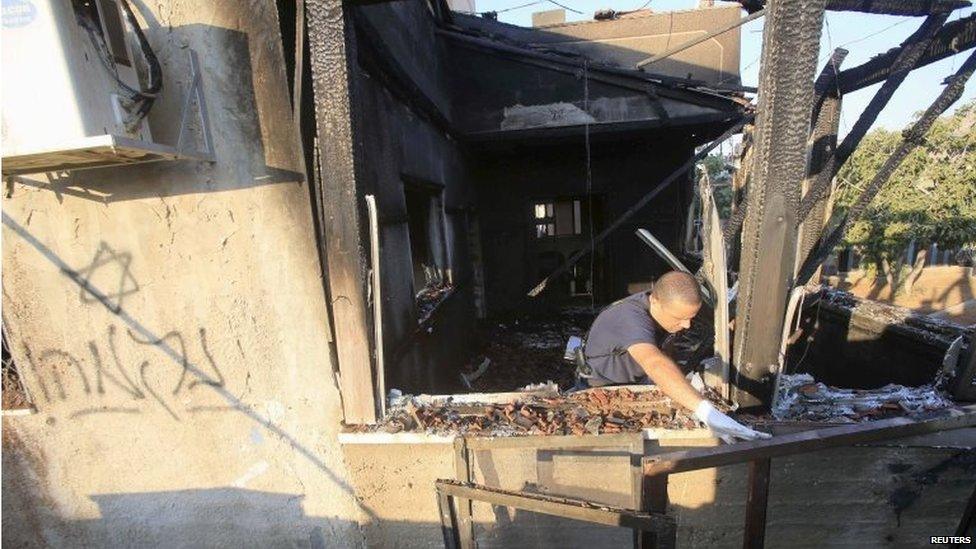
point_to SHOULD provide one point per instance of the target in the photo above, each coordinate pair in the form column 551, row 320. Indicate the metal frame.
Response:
column 449, row 492
column 650, row 476
column 195, row 91
column 632, row 442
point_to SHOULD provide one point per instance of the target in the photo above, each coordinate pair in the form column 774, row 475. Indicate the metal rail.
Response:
column 656, row 469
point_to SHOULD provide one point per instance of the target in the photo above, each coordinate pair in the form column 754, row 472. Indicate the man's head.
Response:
column 675, row 300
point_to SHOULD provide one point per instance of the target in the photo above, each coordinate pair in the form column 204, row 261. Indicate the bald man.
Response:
column 624, row 347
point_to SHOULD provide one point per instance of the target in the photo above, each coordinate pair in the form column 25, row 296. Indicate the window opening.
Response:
column 427, row 228
column 558, row 218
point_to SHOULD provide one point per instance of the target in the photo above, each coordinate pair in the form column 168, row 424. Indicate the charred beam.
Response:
column 954, row 37
column 790, row 45
column 885, row 7
column 332, row 48
column 911, row 139
column 907, row 59
column 826, row 121
column 897, row 7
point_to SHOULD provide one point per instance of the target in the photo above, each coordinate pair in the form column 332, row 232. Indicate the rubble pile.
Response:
column 800, row 398
column 594, row 411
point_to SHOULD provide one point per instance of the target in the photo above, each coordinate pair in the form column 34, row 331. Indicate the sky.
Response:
column 864, row 35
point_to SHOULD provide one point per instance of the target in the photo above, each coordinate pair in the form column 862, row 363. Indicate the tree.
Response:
column 931, row 198
column 717, row 167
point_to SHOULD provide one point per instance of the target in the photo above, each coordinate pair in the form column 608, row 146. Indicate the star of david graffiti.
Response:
column 113, row 267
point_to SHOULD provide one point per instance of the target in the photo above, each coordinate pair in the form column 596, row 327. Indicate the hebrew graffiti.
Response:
column 105, row 382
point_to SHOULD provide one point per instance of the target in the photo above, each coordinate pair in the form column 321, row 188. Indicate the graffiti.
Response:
column 117, row 385
column 111, row 267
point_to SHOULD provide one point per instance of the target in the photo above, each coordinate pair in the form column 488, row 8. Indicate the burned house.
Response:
column 220, row 257
column 496, row 153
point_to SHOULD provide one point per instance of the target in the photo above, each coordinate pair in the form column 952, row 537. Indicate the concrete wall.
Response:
column 878, row 496
column 169, row 321
column 634, row 37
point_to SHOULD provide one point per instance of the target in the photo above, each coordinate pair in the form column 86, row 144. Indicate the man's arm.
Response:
column 665, row 374
column 668, row 377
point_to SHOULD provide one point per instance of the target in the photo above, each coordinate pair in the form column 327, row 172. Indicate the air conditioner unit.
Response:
column 72, row 97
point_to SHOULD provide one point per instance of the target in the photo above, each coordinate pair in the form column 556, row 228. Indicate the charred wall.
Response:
column 405, row 104
column 511, row 181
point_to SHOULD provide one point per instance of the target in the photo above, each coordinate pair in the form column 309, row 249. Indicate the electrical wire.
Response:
column 565, row 7
column 143, row 98
column 589, row 181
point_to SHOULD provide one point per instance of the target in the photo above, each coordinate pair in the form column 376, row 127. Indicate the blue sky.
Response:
column 864, row 35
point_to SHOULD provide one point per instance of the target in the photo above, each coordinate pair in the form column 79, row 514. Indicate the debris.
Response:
column 594, row 411
column 801, row 398
column 429, row 298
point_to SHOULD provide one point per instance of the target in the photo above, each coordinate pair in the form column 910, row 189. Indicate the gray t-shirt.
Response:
column 616, row 328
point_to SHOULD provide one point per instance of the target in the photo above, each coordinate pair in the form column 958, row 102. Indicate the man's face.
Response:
column 673, row 316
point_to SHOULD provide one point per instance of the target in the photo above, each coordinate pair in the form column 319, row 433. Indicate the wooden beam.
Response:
column 954, row 37
column 332, row 46
column 826, row 122
column 808, row 441
column 791, row 42
column 561, row 507
column 462, row 472
column 896, row 7
column 907, row 59
column 449, row 526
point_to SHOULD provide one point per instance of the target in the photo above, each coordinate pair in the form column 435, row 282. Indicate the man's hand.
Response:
column 723, row 426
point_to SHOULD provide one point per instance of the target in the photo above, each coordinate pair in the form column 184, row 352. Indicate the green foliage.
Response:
column 930, row 198
column 718, row 174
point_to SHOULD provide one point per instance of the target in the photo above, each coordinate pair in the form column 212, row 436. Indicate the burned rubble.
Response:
column 593, row 411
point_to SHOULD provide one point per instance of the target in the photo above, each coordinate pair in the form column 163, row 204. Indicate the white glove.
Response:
column 723, row 426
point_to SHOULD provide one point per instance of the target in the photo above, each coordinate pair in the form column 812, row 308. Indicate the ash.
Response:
column 801, row 398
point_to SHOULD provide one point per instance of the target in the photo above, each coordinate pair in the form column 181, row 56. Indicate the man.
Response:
column 624, row 347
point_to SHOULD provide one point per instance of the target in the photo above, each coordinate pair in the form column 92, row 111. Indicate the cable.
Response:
column 589, row 181
column 863, row 38
column 144, row 98
column 565, row 7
